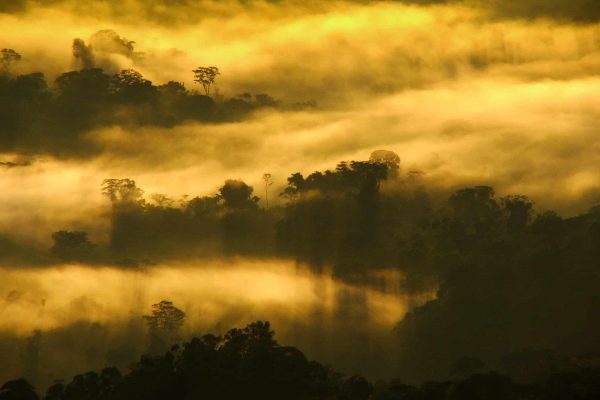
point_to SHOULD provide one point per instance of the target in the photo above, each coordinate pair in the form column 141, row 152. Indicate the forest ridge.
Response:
column 407, row 191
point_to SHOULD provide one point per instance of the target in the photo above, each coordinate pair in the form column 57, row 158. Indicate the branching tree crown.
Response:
column 164, row 324
column 122, row 191
column 7, row 58
column 165, row 316
column 206, row 77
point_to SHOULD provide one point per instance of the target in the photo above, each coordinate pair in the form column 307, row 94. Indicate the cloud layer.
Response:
column 466, row 97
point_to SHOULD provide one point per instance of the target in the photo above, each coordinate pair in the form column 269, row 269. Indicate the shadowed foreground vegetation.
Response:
column 249, row 363
column 477, row 295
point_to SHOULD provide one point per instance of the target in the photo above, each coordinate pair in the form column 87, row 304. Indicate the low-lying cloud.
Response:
column 539, row 139
column 462, row 96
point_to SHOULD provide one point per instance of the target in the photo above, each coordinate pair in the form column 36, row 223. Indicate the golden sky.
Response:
column 505, row 93
column 470, row 92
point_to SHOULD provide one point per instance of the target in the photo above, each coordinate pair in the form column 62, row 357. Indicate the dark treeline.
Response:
column 249, row 363
column 228, row 223
column 512, row 283
column 334, row 218
column 42, row 117
column 517, row 289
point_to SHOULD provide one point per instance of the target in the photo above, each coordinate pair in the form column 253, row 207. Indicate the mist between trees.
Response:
column 387, row 276
column 516, row 287
column 42, row 118
column 250, row 363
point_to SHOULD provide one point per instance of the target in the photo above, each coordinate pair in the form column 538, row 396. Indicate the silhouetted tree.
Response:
column 483, row 387
column 18, row 389
column 7, row 58
column 122, row 191
column 237, row 195
column 244, row 363
column 206, row 77
column 38, row 120
column 388, row 158
column 356, row 388
column 164, row 325
column 31, row 88
column 475, row 207
column 467, row 366
column 581, row 384
column 56, row 391
column 519, row 212
column 129, row 86
column 71, row 246
column 172, row 88
column 86, row 85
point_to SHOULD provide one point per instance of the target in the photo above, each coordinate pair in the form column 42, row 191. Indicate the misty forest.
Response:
column 353, row 200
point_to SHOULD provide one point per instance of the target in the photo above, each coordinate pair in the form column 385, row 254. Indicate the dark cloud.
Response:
column 13, row 164
column 11, row 6
column 191, row 11
column 566, row 10
column 109, row 41
column 82, row 54
column 101, row 49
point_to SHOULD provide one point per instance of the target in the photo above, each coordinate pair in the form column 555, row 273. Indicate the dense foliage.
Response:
column 508, row 278
column 249, row 363
column 40, row 117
